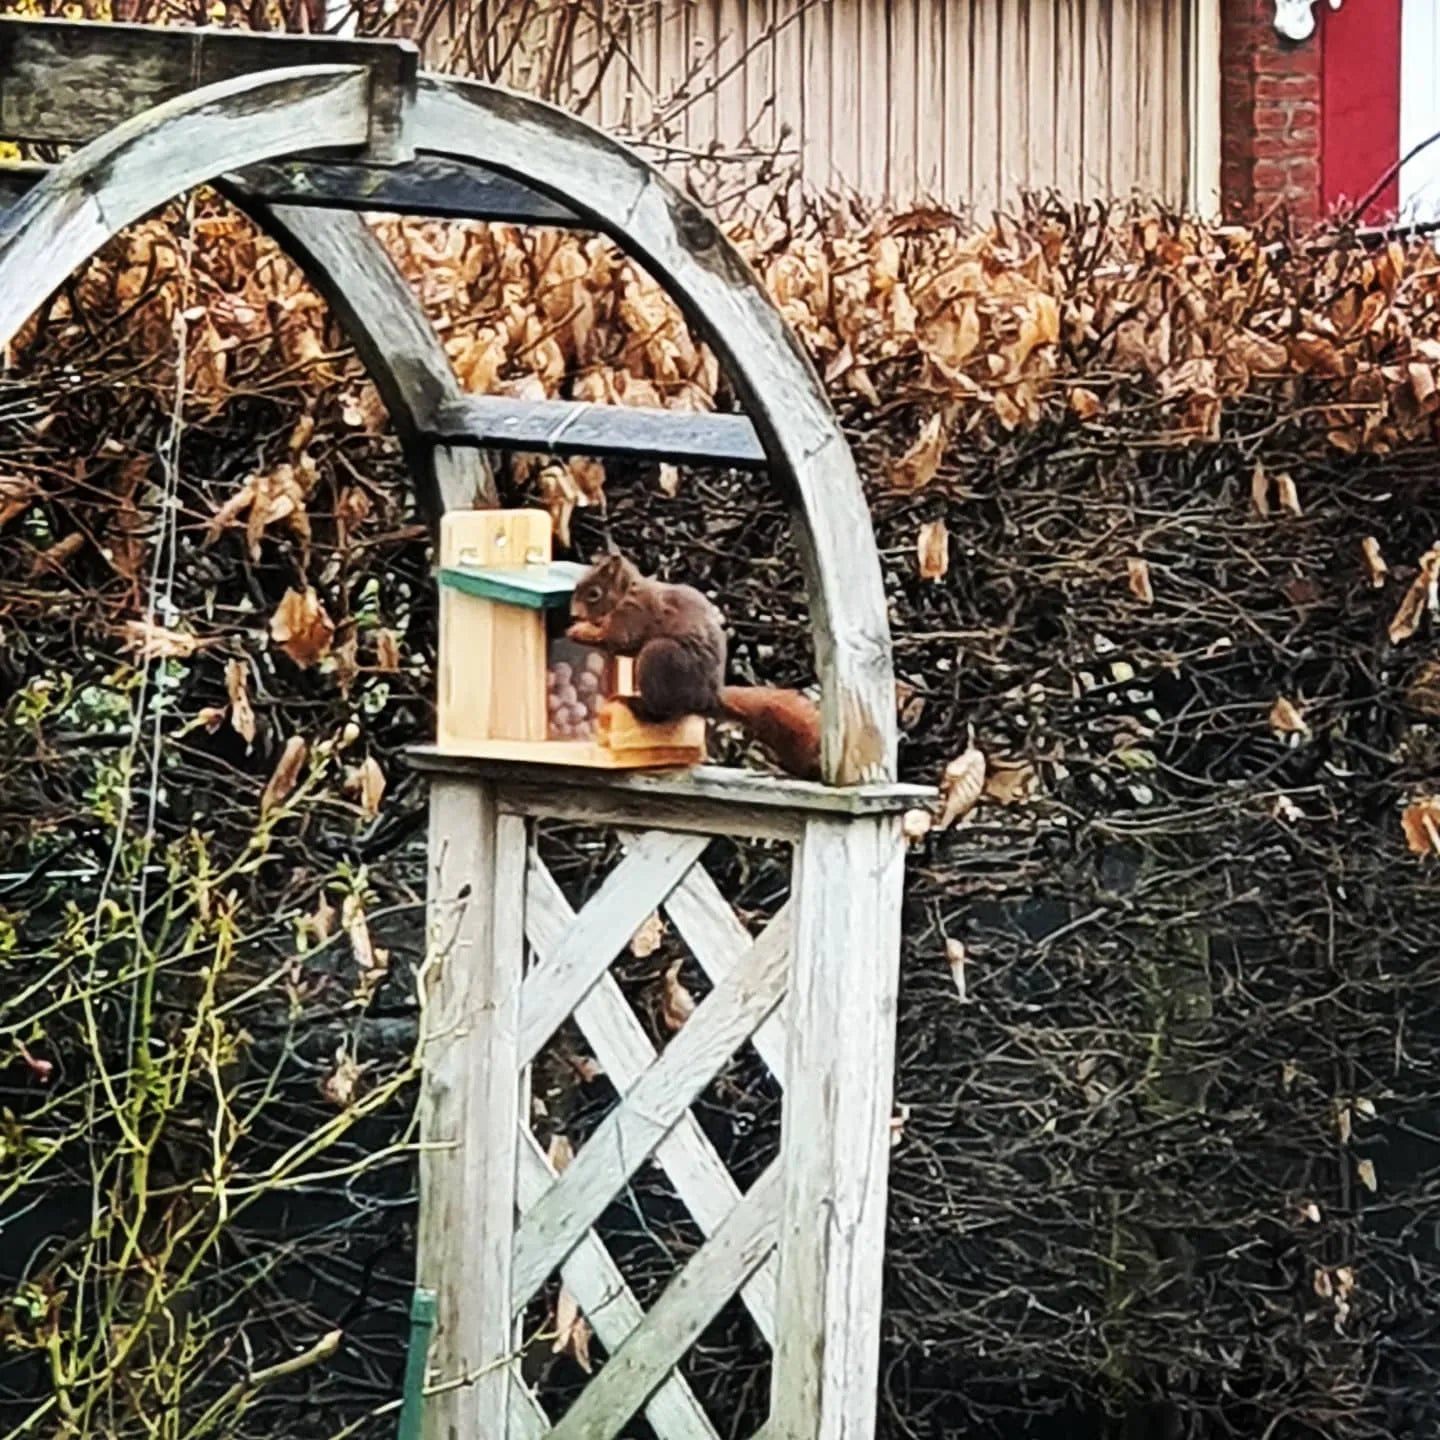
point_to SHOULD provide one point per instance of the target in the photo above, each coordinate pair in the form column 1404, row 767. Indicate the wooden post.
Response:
column 470, row 1097
column 835, row 1139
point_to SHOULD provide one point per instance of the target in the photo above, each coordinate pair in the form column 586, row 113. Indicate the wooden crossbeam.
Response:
column 651, row 1109
column 679, row 1317
column 701, row 1178
column 428, row 186
column 568, row 427
column 594, row 1279
column 69, row 81
column 627, row 896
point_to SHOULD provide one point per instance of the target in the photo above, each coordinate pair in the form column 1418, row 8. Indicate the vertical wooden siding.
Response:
column 962, row 101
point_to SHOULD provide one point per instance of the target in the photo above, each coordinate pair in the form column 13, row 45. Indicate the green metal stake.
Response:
column 422, row 1322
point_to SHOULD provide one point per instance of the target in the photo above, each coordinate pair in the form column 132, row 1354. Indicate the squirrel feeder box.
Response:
column 512, row 686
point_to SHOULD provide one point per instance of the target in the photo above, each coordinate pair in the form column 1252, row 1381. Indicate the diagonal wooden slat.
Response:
column 627, row 1137
column 690, row 1302
column 700, row 1176
column 629, row 893
column 610, row 1306
column 719, row 942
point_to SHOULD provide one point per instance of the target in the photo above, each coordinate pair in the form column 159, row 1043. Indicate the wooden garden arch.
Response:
column 304, row 132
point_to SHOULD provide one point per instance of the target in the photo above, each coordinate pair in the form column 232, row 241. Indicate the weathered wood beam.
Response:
column 69, row 81
column 568, row 427
column 429, row 187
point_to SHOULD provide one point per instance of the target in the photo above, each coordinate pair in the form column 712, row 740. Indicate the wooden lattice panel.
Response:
column 568, row 976
column 516, row 979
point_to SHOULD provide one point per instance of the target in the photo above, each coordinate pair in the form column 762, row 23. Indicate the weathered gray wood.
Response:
column 73, row 80
column 610, row 1024
column 432, row 186
column 440, row 187
column 470, row 990
column 778, row 387
column 741, row 789
column 604, row 926
column 569, row 427
column 719, row 942
column 393, row 338
column 690, row 1302
column 610, row 1306
column 835, row 1134
column 652, row 1107
column 114, row 180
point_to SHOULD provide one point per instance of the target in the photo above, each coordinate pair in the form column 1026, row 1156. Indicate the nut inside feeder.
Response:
column 512, row 685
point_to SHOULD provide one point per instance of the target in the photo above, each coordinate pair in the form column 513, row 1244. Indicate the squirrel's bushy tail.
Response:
column 783, row 721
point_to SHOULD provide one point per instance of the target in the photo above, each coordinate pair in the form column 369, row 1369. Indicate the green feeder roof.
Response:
column 533, row 587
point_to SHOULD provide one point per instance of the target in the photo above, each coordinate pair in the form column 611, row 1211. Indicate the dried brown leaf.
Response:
column 150, row 641
column 917, row 466
column 677, row 1004
column 1260, row 491
column 387, row 651
column 916, row 825
column 237, row 686
column 286, row 774
column 339, row 1086
column 955, row 957
column 1085, row 403
column 560, row 1152
column 1418, row 598
column 933, row 547
column 1374, row 561
column 1365, row 1172
column 372, row 787
column 301, row 628
column 1011, row 782
column 372, row 962
column 1286, row 718
column 1138, row 572
column 961, row 786
column 649, row 937
column 1420, row 820
column 1286, row 494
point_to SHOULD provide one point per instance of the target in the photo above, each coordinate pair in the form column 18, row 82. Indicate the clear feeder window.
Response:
column 575, row 686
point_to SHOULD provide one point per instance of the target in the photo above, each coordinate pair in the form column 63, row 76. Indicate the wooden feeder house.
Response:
column 512, row 686
column 305, row 133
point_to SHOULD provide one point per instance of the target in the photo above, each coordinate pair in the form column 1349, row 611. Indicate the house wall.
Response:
column 967, row 102
column 1270, row 92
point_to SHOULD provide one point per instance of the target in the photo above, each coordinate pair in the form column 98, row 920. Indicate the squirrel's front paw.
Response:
column 583, row 633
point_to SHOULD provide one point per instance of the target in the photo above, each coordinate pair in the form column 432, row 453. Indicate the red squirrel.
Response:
column 677, row 639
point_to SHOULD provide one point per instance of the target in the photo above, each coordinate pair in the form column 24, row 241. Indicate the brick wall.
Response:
column 1270, row 128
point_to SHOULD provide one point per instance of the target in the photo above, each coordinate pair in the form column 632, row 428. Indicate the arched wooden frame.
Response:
column 121, row 176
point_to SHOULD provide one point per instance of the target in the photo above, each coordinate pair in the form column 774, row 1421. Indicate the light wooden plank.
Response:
column 470, row 989
column 651, row 1109
column 113, row 181
column 604, row 926
column 610, row 1306
column 987, row 98
column 764, row 361
column 957, row 120
column 1203, row 192
column 902, row 70
column 828, row 89
column 1043, row 120
column 835, row 1139
column 743, row 788
column 610, row 1024
column 932, row 135
column 1069, row 98
column 690, row 1302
